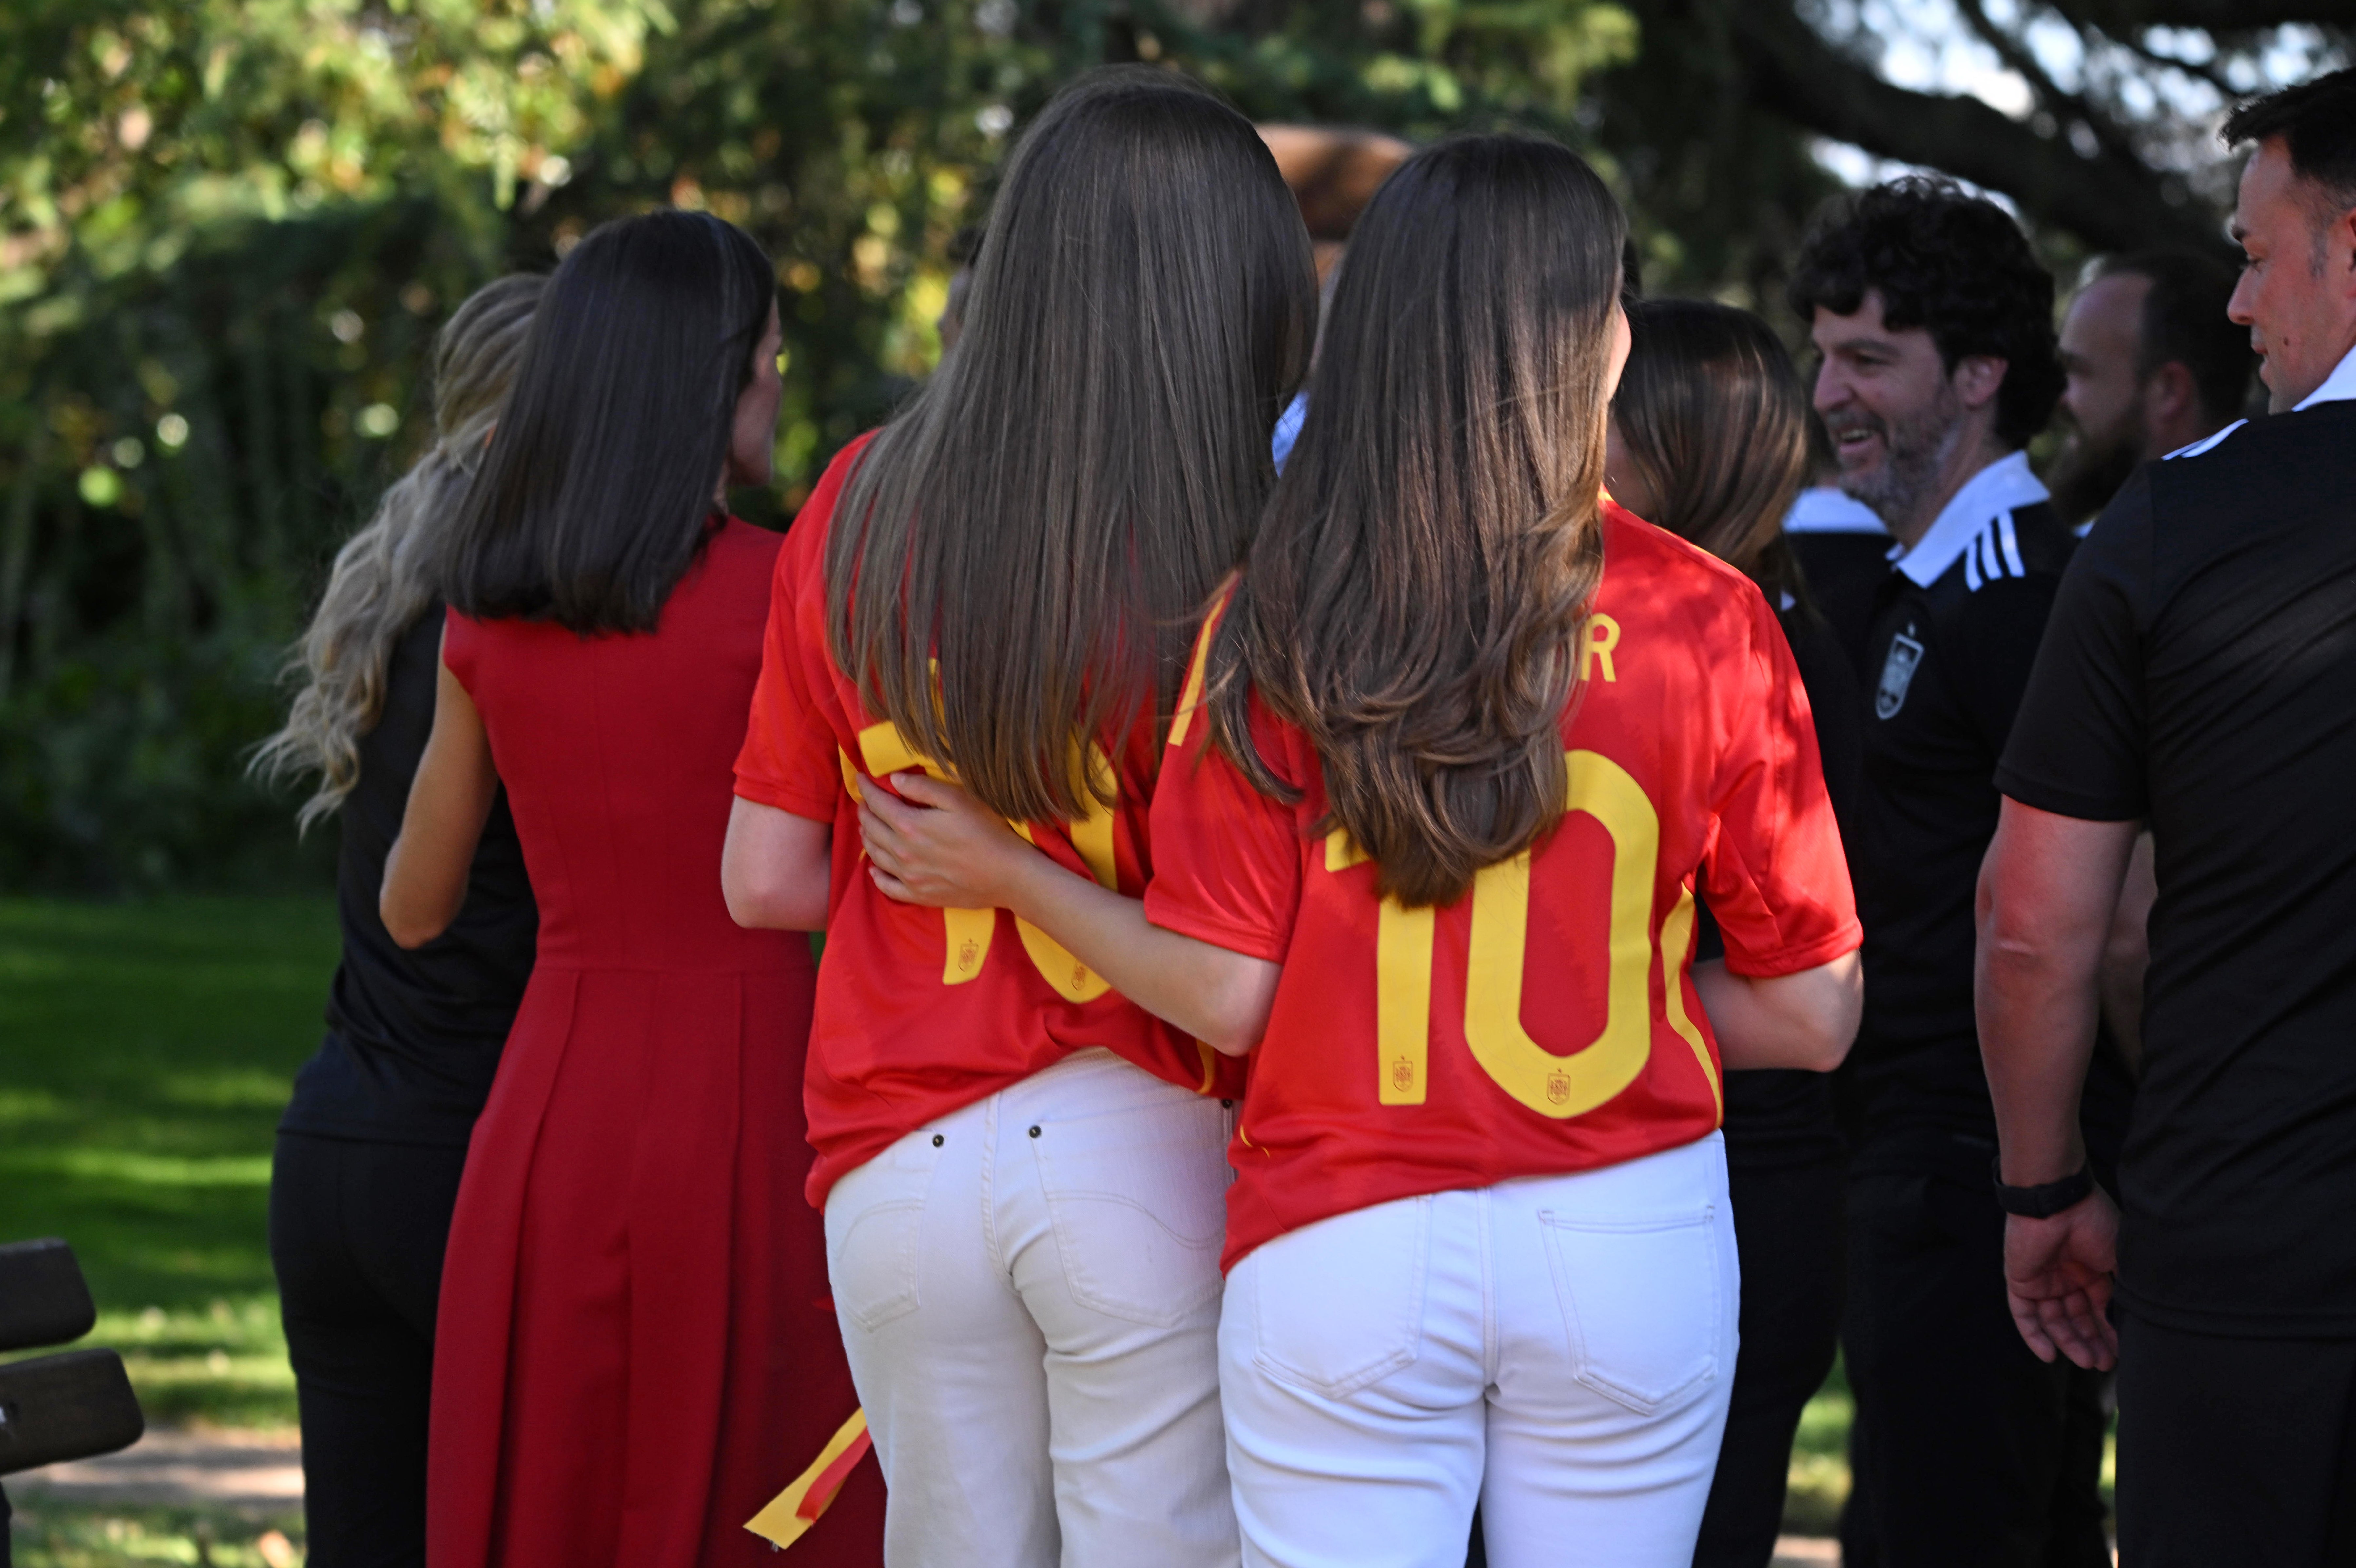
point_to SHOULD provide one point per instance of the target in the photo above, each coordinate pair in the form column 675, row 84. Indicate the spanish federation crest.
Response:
column 1897, row 674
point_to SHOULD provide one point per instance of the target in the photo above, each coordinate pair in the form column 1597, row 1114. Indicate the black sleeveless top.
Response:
column 413, row 1038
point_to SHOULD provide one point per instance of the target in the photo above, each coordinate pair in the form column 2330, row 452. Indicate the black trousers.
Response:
column 1788, row 1233
column 1967, row 1451
column 356, row 1232
column 2235, row 1450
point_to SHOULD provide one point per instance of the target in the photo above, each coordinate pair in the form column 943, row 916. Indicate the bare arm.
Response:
column 2048, row 892
column 775, row 867
column 1805, row 1019
column 948, row 850
column 2128, row 954
column 449, row 800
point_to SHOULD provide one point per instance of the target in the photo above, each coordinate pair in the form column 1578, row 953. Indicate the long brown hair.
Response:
column 383, row 577
column 1416, row 593
column 1713, row 417
column 1050, row 511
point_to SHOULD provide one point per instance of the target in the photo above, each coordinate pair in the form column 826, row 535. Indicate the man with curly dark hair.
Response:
column 1935, row 326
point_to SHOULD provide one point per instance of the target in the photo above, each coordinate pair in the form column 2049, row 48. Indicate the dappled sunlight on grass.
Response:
column 1819, row 1478
column 224, row 1366
column 61, row 1535
column 151, row 1049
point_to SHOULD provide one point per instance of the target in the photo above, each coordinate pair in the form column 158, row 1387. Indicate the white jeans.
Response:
column 1561, row 1348
column 1029, row 1292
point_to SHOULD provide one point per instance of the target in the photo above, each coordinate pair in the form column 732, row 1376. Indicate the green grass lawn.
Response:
column 50, row 1536
column 148, row 1050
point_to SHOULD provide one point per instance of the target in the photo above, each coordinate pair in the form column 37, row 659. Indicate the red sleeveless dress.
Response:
column 637, row 1348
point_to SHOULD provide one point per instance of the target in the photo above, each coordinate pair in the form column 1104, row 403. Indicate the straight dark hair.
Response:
column 596, row 493
column 1414, row 597
column 2317, row 121
column 1713, row 414
column 1047, row 516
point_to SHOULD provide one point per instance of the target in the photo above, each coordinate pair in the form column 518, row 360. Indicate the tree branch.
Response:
column 2008, row 49
column 2113, row 200
column 2120, row 17
column 2208, row 74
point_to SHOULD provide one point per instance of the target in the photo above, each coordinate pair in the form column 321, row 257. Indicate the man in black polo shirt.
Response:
column 2200, row 676
column 1935, row 323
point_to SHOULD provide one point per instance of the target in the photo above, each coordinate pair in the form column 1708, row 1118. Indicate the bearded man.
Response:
column 1934, row 322
column 2154, row 364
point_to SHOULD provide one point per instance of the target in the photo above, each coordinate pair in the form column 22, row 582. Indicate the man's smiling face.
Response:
column 1889, row 403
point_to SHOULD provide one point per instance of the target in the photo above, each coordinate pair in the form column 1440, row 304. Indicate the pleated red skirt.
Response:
column 622, row 1371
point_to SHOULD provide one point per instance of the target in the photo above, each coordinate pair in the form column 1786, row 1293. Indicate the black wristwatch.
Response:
column 2042, row 1202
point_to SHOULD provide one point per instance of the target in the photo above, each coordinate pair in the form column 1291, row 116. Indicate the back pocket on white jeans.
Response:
column 875, row 1220
column 1339, row 1304
column 1138, row 1199
column 1644, row 1303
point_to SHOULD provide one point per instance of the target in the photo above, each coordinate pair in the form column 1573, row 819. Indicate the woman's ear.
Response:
column 753, row 439
column 1623, row 338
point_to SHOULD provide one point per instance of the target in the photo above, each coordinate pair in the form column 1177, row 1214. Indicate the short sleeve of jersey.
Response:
column 1775, row 876
column 2077, row 747
column 789, row 757
column 1226, row 858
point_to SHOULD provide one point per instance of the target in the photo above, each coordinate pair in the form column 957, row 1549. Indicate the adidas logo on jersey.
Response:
column 1994, row 553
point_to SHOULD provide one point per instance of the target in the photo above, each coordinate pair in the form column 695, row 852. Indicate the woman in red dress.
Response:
column 635, row 1345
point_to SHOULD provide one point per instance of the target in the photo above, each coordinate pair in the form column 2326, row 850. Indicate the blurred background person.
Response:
column 1709, row 439
column 2200, row 676
column 2153, row 364
column 371, row 1146
column 1934, row 322
column 636, row 1348
column 1332, row 172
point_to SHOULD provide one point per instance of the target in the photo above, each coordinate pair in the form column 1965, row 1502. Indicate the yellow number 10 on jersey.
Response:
column 967, row 931
column 1552, row 1085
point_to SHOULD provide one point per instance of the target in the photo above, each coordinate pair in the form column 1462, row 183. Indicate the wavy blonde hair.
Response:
column 383, row 578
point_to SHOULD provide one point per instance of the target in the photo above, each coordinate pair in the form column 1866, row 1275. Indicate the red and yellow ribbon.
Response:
column 795, row 1510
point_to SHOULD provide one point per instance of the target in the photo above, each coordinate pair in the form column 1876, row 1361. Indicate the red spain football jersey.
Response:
column 1546, row 1022
column 921, row 1011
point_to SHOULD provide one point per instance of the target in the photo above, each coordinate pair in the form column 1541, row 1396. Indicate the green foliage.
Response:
column 228, row 228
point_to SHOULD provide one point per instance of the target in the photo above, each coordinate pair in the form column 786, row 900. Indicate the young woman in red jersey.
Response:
column 1023, row 1171
column 1457, row 753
